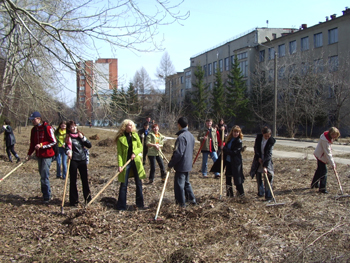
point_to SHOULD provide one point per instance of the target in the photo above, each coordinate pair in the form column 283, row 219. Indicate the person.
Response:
column 10, row 140
column 129, row 147
column 75, row 145
column 143, row 134
column 154, row 142
column 232, row 162
column 150, row 123
column 60, row 134
column 210, row 139
column 323, row 154
column 181, row 161
column 42, row 140
column 222, row 126
column 262, row 162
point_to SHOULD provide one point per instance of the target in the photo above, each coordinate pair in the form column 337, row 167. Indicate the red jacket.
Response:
column 46, row 138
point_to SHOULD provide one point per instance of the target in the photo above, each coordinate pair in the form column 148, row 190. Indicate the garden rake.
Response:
column 161, row 196
column 65, row 186
column 341, row 188
column 7, row 175
column 274, row 199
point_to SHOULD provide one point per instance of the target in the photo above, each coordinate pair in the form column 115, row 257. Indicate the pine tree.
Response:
column 132, row 99
column 237, row 101
column 199, row 95
column 218, row 97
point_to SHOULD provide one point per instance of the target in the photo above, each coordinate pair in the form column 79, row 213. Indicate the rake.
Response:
column 274, row 199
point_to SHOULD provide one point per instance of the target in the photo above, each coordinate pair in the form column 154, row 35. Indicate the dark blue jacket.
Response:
column 183, row 152
column 9, row 136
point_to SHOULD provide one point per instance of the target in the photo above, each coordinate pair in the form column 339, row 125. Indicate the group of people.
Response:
column 132, row 147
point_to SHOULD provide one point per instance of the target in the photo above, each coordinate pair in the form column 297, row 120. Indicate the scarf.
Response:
column 69, row 142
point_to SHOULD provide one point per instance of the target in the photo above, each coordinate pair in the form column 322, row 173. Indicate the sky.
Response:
column 209, row 24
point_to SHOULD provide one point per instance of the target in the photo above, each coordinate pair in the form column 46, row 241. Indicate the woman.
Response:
column 222, row 126
column 60, row 134
column 262, row 163
column 75, row 143
column 154, row 142
column 323, row 154
column 129, row 147
column 233, row 162
column 10, row 140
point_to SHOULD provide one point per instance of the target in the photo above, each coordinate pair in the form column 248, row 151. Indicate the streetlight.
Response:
column 274, row 128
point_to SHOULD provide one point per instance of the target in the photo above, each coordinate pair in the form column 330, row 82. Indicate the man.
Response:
column 42, row 140
column 181, row 161
column 210, row 138
column 143, row 134
column 150, row 123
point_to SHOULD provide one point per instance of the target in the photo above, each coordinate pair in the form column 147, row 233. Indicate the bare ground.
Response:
column 309, row 227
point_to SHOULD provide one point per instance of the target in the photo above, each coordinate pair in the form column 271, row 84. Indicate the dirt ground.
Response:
column 309, row 227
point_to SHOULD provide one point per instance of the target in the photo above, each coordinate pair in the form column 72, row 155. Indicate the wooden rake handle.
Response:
column 65, row 185
column 162, row 195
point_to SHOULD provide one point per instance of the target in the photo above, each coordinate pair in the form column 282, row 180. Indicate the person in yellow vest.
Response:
column 60, row 134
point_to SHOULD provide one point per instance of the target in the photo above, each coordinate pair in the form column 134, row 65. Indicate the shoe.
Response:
column 241, row 195
column 163, row 179
column 10, row 161
column 268, row 199
column 205, row 176
column 217, row 176
column 150, row 182
column 142, row 208
column 18, row 160
column 58, row 177
column 324, row 191
column 260, row 195
column 47, row 200
column 74, row 204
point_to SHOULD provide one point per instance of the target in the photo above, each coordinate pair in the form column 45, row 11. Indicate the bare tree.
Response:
column 166, row 67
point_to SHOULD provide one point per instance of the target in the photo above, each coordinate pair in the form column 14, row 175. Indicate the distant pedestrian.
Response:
column 262, row 163
column 154, row 142
column 129, row 147
column 181, row 161
column 61, row 159
column 222, row 126
column 10, row 140
column 323, row 154
column 42, row 140
column 75, row 148
column 143, row 134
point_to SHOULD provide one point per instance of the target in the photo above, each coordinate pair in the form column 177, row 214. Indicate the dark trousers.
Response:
column 320, row 175
column 11, row 149
column 121, row 204
column 73, row 191
column 144, row 153
column 261, row 189
column 229, row 189
column 183, row 189
column 152, row 161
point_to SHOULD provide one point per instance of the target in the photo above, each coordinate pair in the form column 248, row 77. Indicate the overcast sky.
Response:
column 211, row 23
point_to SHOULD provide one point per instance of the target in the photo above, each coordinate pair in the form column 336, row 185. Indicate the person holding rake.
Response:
column 129, row 147
column 323, row 154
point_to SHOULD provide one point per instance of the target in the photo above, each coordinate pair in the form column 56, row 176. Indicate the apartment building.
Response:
column 94, row 80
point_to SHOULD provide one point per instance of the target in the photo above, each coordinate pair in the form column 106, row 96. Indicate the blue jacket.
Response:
column 183, row 152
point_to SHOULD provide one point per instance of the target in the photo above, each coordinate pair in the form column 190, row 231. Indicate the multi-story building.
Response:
column 93, row 79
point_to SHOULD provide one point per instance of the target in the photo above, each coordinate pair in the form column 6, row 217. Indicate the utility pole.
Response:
column 274, row 131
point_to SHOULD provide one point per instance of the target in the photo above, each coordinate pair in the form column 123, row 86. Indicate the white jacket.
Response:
column 323, row 151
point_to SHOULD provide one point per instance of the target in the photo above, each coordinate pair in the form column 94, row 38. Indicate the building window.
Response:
column 209, row 69
column 292, row 47
column 215, row 65
column 271, row 53
column 271, row 75
column 242, row 55
column 243, row 65
column 227, row 64
column 333, row 63
column 188, row 83
column 281, row 72
column 188, row 73
column 82, row 98
column 304, row 43
column 318, row 42
column 182, row 79
column 82, row 77
column 82, row 88
column 262, row 56
column 221, row 65
column 318, row 65
column 282, row 50
column 205, row 70
column 333, row 35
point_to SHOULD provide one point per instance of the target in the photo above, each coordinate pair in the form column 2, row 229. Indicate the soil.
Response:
column 309, row 227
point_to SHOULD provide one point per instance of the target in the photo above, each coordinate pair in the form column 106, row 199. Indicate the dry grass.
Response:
column 309, row 228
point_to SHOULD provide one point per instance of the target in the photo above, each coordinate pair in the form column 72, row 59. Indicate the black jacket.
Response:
column 267, row 160
column 78, row 144
column 183, row 152
column 9, row 136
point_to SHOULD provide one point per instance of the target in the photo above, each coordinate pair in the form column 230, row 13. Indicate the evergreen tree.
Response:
column 199, row 95
column 218, row 97
column 237, row 101
column 132, row 99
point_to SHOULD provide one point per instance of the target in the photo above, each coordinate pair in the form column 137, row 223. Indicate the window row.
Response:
column 212, row 68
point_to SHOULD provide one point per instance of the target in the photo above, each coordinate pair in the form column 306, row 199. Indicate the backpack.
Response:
column 55, row 147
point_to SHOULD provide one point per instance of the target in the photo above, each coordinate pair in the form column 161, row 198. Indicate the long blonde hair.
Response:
column 123, row 127
column 230, row 136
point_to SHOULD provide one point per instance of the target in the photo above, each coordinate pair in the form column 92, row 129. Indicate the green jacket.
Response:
column 122, row 152
column 151, row 138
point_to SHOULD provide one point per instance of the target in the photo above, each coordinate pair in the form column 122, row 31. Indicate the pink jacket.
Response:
column 323, row 151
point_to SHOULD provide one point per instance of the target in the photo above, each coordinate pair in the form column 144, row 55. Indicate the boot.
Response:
column 10, row 159
column 18, row 160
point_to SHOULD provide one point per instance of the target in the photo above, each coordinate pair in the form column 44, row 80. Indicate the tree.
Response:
column 218, row 106
column 199, row 97
column 132, row 99
column 237, row 101
column 142, row 82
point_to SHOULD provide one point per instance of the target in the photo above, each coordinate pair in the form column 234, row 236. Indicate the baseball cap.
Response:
column 34, row 115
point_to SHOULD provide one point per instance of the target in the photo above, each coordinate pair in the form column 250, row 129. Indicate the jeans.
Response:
column 121, row 204
column 61, row 159
column 261, row 189
column 213, row 156
column 320, row 175
column 182, row 188
column 44, row 171
column 152, row 161
column 73, row 172
column 11, row 149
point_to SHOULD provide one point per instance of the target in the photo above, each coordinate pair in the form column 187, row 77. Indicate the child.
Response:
column 323, row 154
column 262, row 163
